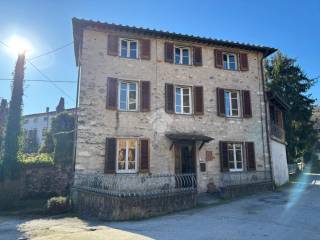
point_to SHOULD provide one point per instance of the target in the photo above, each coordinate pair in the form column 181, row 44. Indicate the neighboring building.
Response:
column 36, row 125
column 277, row 109
column 154, row 103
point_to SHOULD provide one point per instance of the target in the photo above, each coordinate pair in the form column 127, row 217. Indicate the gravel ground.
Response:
column 281, row 215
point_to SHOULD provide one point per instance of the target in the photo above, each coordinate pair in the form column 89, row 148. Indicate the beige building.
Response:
column 153, row 102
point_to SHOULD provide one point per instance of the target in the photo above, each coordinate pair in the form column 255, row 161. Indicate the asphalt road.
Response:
column 293, row 214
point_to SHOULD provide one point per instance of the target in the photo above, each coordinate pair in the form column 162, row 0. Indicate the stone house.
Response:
column 36, row 125
column 153, row 102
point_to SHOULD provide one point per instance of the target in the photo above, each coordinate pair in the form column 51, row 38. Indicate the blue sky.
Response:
column 291, row 26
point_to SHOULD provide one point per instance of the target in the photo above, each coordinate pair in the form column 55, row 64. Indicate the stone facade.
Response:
column 96, row 123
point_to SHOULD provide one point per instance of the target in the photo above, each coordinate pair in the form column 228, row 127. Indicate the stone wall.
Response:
column 95, row 122
column 40, row 181
column 108, row 207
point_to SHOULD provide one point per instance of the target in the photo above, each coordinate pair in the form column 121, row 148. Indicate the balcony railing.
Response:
column 277, row 132
column 136, row 185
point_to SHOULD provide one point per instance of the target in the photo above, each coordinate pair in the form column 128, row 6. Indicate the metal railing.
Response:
column 135, row 184
column 277, row 132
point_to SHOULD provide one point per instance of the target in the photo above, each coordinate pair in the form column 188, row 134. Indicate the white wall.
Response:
column 279, row 162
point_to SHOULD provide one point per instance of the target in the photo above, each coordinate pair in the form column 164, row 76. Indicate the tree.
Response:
column 3, row 122
column 288, row 80
column 13, row 129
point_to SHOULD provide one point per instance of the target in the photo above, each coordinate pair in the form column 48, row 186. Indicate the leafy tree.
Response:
column 13, row 129
column 3, row 121
column 287, row 79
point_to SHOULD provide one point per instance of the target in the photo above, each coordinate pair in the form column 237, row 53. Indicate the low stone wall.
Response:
column 44, row 181
column 108, row 207
column 245, row 189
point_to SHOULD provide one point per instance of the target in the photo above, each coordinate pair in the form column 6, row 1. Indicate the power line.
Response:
column 38, row 80
column 52, row 51
column 44, row 75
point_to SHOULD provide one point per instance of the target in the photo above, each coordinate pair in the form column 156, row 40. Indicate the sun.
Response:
column 19, row 45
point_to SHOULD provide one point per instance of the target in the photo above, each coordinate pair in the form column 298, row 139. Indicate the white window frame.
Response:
column 228, row 61
column 128, row 47
column 126, row 170
column 181, row 99
column 235, row 160
column 230, row 114
column 128, row 92
column 181, row 48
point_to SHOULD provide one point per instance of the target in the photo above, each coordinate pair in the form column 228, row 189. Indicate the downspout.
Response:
column 266, row 116
column 76, row 118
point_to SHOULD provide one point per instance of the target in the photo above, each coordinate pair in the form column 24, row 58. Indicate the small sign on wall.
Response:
column 209, row 156
column 202, row 167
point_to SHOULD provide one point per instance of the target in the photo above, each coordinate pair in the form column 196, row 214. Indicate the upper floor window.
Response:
column 127, row 155
column 232, row 103
column 128, row 96
column 230, row 61
column 235, row 157
column 182, row 55
column 183, row 96
column 128, row 48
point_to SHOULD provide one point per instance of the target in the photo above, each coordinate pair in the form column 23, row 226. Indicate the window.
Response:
column 232, row 103
column 128, row 48
column 127, row 155
column 183, row 100
column 229, row 61
column 128, row 96
column 45, row 118
column 235, row 156
column 44, row 132
column 182, row 55
column 25, row 121
column 35, row 120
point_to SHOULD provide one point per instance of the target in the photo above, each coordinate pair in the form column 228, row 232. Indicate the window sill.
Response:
column 129, row 58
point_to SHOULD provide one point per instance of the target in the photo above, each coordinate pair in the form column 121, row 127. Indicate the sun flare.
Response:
column 19, row 45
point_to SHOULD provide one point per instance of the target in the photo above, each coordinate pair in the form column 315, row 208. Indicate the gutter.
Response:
column 266, row 114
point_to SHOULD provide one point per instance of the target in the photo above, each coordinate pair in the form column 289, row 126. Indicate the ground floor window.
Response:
column 235, row 157
column 127, row 155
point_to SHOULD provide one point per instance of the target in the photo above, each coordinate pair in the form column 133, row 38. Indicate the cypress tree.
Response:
column 13, row 129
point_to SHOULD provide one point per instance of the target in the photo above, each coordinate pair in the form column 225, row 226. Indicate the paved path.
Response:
column 279, row 215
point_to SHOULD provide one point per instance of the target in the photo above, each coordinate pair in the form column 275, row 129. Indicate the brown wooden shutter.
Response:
column 198, row 107
column 112, row 93
column 113, row 42
column 145, row 49
column 110, row 155
column 244, row 65
column 197, row 56
column 169, row 95
column 168, row 52
column 144, row 155
column 224, row 162
column 144, row 96
column 250, row 156
column 221, row 106
column 246, row 104
column 218, row 61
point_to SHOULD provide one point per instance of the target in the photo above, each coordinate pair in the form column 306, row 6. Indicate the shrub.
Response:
column 36, row 158
column 57, row 205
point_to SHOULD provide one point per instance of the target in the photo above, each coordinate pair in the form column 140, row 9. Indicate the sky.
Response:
column 289, row 25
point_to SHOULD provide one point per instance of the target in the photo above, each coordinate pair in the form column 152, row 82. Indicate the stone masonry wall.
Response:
column 95, row 122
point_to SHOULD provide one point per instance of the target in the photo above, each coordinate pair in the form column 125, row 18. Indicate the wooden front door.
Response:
column 185, row 158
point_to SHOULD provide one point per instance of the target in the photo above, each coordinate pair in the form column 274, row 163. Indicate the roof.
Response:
column 80, row 24
column 278, row 100
column 188, row 136
column 46, row 113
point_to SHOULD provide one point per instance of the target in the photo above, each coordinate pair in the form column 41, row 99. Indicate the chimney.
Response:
column 47, row 109
column 60, row 107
